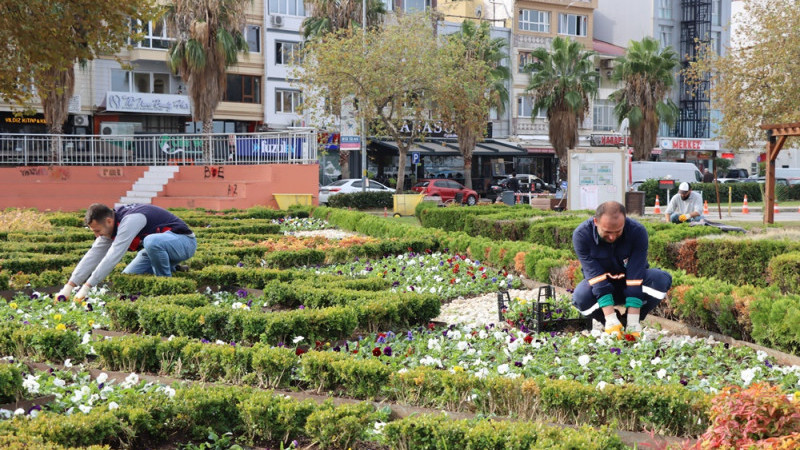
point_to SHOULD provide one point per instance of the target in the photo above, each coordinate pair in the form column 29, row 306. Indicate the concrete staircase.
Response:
column 149, row 185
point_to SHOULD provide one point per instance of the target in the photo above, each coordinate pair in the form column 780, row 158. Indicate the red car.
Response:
column 446, row 189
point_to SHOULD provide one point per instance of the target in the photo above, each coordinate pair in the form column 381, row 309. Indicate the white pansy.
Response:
column 85, row 409
column 169, row 391
column 513, row 375
column 761, row 355
column 526, row 359
column 502, row 369
column 77, row 396
column 433, row 344
column 601, row 385
column 634, row 363
column 583, row 360
column 59, row 382
column 557, row 360
column 655, row 361
column 5, row 413
column 102, row 378
column 297, row 339
column 661, row 374
column 31, row 384
column 93, row 398
column 219, row 342
column 34, row 413
column 513, row 346
column 19, row 412
column 403, row 370
column 67, row 363
column 747, row 376
column 462, row 345
column 499, row 335
column 86, row 338
column 130, row 381
column 454, row 335
column 433, row 290
column 483, row 334
column 482, row 373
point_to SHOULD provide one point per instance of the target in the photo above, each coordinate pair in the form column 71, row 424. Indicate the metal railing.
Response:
column 295, row 147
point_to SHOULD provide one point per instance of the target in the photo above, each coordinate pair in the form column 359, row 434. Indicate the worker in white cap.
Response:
column 686, row 206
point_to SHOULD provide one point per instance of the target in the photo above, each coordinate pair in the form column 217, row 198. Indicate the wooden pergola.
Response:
column 776, row 137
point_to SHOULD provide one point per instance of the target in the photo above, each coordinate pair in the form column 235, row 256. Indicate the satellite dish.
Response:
column 623, row 127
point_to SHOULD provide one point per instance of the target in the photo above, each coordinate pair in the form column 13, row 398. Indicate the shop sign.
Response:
column 135, row 102
column 541, row 150
column 689, row 144
column 609, row 140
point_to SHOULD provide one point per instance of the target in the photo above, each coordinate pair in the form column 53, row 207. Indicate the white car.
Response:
column 349, row 186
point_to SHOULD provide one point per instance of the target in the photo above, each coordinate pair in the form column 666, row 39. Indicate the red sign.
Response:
column 728, row 156
column 689, row 144
column 666, row 184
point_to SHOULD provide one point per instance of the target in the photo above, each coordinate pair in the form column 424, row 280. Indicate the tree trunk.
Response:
column 466, row 145
column 208, row 149
column 344, row 163
column 56, row 87
column 402, row 150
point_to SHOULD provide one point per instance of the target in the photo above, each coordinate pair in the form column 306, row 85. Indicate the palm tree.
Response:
column 208, row 39
column 562, row 80
column 329, row 16
column 476, row 82
column 647, row 73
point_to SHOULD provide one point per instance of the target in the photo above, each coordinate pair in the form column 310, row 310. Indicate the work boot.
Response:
column 180, row 268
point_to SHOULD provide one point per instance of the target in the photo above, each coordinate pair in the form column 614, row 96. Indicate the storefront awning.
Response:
column 432, row 147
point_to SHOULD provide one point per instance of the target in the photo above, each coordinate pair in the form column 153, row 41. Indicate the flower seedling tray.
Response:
column 542, row 320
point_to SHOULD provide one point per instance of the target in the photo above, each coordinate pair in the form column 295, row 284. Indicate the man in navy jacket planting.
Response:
column 612, row 250
column 162, row 239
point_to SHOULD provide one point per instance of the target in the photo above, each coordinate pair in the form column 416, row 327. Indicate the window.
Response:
column 665, row 9
column 525, row 107
column 285, row 52
column 288, row 7
column 120, row 80
column 154, row 34
column 287, row 101
column 665, row 35
column 141, row 82
column 572, row 24
column 161, row 83
column 416, row 5
column 252, row 33
column 603, row 115
column 242, row 89
column 533, row 20
column 716, row 41
column 525, row 58
column 716, row 6
column 388, row 5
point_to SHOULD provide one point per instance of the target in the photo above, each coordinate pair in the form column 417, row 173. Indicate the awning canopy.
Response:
column 449, row 147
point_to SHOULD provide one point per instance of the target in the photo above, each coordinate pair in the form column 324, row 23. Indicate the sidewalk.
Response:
column 786, row 214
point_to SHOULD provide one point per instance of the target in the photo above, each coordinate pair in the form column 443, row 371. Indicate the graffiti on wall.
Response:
column 214, row 172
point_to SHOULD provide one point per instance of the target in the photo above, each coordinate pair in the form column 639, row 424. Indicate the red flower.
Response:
column 630, row 338
column 431, row 326
column 484, row 275
column 376, row 351
column 452, row 281
column 457, row 266
column 317, row 345
column 299, row 351
column 410, row 249
column 528, row 339
column 383, row 335
column 481, row 268
column 355, row 352
column 428, row 251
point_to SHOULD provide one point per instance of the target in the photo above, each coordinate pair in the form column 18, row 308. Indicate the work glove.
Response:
column 82, row 293
column 683, row 218
column 615, row 330
column 64, row 293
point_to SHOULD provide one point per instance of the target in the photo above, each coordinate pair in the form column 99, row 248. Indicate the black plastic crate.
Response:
column 542, row 320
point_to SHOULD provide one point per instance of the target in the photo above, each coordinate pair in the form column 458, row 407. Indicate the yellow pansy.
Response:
column 61, row 327
column 12, row 305
column 57, row 317
column 458, row 369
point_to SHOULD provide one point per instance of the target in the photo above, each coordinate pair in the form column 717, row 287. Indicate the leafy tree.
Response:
column 562, row 80
column 44, row 39
column 389, row 71
column 758, row 80
column 475, row 82
column 208, row 39
column 648, row 75
column 330, row 16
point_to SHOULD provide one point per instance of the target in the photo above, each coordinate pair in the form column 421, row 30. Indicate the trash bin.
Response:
column 508, row 197
column 406, row 204
column 634, row 202
column 286, row 200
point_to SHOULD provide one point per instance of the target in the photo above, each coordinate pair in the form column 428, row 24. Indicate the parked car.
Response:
column 349, row 186
column 737, row 173
column 446, row 190
column 527, row 183
column 763, row 180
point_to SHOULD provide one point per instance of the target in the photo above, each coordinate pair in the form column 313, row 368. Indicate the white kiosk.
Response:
column 596, row 175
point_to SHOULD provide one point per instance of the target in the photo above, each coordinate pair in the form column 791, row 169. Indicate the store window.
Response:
column 243, row 88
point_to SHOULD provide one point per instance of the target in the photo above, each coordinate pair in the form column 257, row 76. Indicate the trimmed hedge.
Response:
column 10, row 383
column 783, row 272
column 362, row 200
column 740, row 261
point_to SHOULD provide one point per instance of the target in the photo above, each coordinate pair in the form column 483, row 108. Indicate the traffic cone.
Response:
column 775, row 208
column 705, row 207
column 657, row 209
column 745, row 209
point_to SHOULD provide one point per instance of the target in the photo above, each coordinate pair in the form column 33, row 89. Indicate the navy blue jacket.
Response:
column 602, row 263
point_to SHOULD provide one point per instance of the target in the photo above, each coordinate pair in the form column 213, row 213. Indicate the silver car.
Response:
column 349, row 186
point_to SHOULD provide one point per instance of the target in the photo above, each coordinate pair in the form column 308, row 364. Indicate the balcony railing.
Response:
column 296, row 147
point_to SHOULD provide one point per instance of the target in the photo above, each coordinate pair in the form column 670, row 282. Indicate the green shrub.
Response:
column 274, row 365
column 341, row 426
column 10, row 383
column 740, row 261
column 362, row 200
column 294, row 258
column 783, row 272
column 274, row 419
column 150, row 285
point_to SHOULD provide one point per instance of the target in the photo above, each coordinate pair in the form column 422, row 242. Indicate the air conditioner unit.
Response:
column 117, row 129
column 276, row 20
column 80, row 120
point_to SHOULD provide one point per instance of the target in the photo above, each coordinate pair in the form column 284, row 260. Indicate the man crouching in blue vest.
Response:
column 163, row 241
column 612, row 250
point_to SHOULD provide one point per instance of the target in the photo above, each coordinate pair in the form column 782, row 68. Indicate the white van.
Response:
column 790, row 173
column 659, row 170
